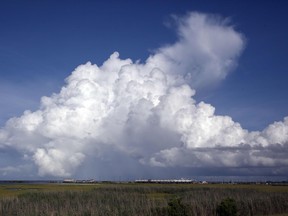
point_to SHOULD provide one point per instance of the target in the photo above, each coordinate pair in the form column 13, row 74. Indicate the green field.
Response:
column 140, row 199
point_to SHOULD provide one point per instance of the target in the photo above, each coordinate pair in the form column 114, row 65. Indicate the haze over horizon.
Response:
column 190, row 106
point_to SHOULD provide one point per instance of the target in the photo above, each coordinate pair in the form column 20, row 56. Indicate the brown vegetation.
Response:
column 139, row 199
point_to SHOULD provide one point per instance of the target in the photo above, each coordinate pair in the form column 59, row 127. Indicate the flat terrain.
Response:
column 15, row 189
column 140, row 199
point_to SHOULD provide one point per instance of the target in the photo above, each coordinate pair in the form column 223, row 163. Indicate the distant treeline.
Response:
column 144, row 199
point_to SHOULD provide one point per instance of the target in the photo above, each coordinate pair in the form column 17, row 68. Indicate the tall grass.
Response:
column 144, row 200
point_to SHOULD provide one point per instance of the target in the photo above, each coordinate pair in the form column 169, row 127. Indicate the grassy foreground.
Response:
column 140, row 199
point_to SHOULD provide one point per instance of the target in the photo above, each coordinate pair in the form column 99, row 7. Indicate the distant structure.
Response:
column 69, row 181
column 79, row 181
column 166, row 181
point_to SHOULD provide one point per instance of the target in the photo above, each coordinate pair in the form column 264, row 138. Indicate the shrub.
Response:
column 227, row 207
column 176, row 208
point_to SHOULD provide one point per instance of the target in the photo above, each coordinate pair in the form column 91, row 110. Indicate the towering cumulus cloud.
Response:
column 125, row 115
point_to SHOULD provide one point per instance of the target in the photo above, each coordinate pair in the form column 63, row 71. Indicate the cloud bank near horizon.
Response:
column 130, row 115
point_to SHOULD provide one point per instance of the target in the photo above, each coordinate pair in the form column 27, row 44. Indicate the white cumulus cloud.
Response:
column 125, row 112
column 206, row 51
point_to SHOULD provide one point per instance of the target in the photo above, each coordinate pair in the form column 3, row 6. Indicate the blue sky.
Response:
column 42, row 42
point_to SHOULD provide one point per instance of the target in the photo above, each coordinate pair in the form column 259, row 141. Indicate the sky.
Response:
column 143, row 89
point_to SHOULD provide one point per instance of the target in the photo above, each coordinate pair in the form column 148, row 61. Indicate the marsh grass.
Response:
column 13, row 190
column 141, row 199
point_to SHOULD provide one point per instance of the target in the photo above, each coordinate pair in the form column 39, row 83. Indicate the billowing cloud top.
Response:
column 144, row 113
column 206, row 51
